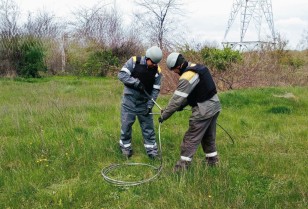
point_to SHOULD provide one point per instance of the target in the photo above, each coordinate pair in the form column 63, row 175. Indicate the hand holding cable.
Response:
column 161, row 119
column 149, row 96
column 140, row 87
column 148, row 111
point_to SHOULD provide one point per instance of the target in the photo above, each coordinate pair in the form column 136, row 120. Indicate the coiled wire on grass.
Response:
column 105, row 171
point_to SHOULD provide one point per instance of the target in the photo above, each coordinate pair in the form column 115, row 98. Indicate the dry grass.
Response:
column 257, row 69
column 261, row 70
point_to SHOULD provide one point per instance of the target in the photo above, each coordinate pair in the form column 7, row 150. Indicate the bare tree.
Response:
column 88, row 23
column 9, row 13
column 99, row 24
column 114, row 31
column 43, row 25
column 159, row 20
column 303, row 44
column 9, row 36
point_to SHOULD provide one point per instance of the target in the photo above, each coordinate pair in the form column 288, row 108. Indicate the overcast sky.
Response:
column 206, row 20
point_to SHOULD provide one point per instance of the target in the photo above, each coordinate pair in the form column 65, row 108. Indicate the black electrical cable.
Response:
column 226, row 133
column 221, row 128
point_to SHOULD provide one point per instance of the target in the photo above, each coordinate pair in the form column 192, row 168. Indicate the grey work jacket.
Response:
column 125, row 76
column 204, row 110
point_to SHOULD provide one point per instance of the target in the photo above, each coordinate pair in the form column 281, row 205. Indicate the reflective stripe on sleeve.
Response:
column 125, row 145
column 186, row 158
column 181, row 94
column 156, row 86
column 212, row 154
column 126, row 70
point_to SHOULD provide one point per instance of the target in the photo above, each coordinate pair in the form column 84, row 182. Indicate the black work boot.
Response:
column 153, row 156
column 181, row 165
column 126, row 151
column 152, row 152
column 212, row 161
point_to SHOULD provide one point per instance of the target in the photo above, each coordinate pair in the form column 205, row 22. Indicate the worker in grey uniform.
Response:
column 141, row 77
column 197, row 89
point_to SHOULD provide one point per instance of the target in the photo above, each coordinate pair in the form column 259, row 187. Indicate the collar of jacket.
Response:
column 183, row 68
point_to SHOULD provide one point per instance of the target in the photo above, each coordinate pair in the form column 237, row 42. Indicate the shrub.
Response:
column 191, row 54
column 99, row 63
column 296, row 62
column 90, row 59
column 31, row 58
column 289, row 58
column 220, row 59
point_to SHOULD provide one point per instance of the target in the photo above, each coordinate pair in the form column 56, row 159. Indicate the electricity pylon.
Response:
column 251, row 11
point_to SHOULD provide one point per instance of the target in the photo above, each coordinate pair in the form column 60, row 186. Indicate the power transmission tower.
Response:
column 251, row 11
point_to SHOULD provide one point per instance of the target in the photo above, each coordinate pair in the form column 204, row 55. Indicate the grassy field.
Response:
column 57, row 134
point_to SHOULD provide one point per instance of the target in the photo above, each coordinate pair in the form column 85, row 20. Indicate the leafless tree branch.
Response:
column 158, row 18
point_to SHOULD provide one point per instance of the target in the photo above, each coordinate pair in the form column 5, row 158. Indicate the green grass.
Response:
column 57, row 134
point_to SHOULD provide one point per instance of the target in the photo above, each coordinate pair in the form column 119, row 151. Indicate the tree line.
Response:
column 96, row 42
column 93, row 42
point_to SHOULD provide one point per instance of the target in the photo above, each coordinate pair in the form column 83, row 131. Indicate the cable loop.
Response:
column 105, row 171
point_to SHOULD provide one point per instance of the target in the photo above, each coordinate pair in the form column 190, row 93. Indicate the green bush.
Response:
column 220, row 59
column 296, row 62
column 191, row 54
column 293, row 59
column 90, row 60
column 31, row 58
column 99, row 63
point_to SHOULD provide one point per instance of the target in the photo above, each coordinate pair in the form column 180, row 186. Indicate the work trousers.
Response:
column 132, row 108
column 200, row 131
column 146, row 125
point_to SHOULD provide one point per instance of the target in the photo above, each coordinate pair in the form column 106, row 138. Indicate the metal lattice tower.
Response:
column 251, row 11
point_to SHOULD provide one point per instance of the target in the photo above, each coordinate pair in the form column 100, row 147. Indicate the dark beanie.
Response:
column 180, row 60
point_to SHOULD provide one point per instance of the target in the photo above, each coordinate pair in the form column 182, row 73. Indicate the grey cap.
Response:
column 155, row 54
column 171, row 59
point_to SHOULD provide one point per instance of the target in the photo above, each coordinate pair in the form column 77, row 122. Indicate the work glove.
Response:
column 160, row 119
column 148, row 111
column 140, row 87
